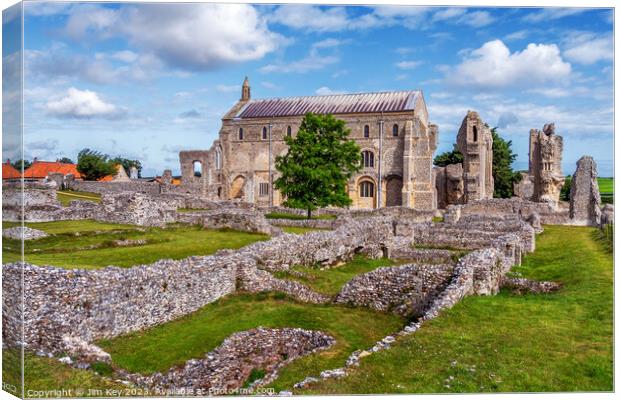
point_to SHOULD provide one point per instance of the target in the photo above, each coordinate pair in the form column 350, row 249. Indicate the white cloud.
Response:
column 54, row 63
column 81, row 104
column 325, row 91
column 552, row 13
column 187, row 36
column 311, row 18
column 588, row 47
column 449, row 13
column 408, row 64
column 518, row 35
column 494, row 66
column 312, row 62
column 477, row 19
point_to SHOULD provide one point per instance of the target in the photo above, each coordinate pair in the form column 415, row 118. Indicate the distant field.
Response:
column 606, row 188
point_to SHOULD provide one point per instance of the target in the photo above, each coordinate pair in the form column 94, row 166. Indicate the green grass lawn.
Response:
column 606, row 185
column 45, row 374
column 330, row 281
column 65, row 196
column 65, row 249
column 282, row 215
column 194, row 335
column 510, row 343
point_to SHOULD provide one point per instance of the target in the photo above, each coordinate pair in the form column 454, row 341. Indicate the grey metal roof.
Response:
column 331, row 104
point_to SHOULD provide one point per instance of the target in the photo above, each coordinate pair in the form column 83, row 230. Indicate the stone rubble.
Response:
column 229, row 366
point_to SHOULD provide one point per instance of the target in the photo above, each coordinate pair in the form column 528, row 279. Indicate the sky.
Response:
column 145, row 81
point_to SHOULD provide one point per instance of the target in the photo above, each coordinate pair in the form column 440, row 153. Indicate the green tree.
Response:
column 320, row 160
column 94, row 165
column 127, row 164
column 565, row 192
column 448, row 157
column 21, row 163
column 503, row 176
column 65, row 160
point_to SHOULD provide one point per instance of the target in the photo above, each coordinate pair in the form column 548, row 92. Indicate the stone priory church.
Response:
column 396, row 139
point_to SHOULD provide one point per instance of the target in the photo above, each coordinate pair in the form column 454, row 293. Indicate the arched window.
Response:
column 475, row 134
column 264, row 133
column 367, row 189
column 395, row 130
column 289, row 131
column 240, row 133
column 366, row 131
column 218, row 158
column 197, row 165
column 368, row 159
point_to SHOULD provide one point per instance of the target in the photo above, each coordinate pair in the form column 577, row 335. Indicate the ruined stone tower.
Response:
column 545, row 168
column 475, row 141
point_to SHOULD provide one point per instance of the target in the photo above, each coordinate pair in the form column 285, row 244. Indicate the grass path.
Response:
column 509, row 343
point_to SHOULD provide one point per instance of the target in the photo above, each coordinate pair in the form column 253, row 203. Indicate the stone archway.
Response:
column 393, row 191
column 236, row 188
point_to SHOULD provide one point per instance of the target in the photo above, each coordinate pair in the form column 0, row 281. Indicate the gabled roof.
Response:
column 9, row 172
column 40, row 169
column 331, row 104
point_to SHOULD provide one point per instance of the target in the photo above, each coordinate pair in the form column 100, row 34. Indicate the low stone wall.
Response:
column 95, row 304
column 406, row 289
column 424, row 256
column 372, row 237
column 229, row 366
column 303, row 223
column 115, row 187
column 498, row 208
column 399, row 213
column 300, row 212
column 23, row 233
column 138, row 209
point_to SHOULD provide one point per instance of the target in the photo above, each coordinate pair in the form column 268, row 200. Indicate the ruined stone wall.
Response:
column 114, row 186
column 94, row 304
column 498, row 208
column 585, row 198
column 407, row 289
column 370, row 236
column 449, row 184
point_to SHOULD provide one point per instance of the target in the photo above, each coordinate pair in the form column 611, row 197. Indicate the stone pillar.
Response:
column 133, row 172
column 585, row 199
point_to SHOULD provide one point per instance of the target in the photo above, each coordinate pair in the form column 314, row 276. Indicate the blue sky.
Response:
column 147, row 80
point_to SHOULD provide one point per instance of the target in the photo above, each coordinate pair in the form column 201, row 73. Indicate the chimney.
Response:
column 245, row 90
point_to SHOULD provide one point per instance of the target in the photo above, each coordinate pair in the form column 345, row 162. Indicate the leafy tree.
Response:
column 94, row 165
column 127, row 164
column 21, row 163
column 565, row 192
column 503, row 175
column 319, row 161
column 65, row 160
column 448, row 157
